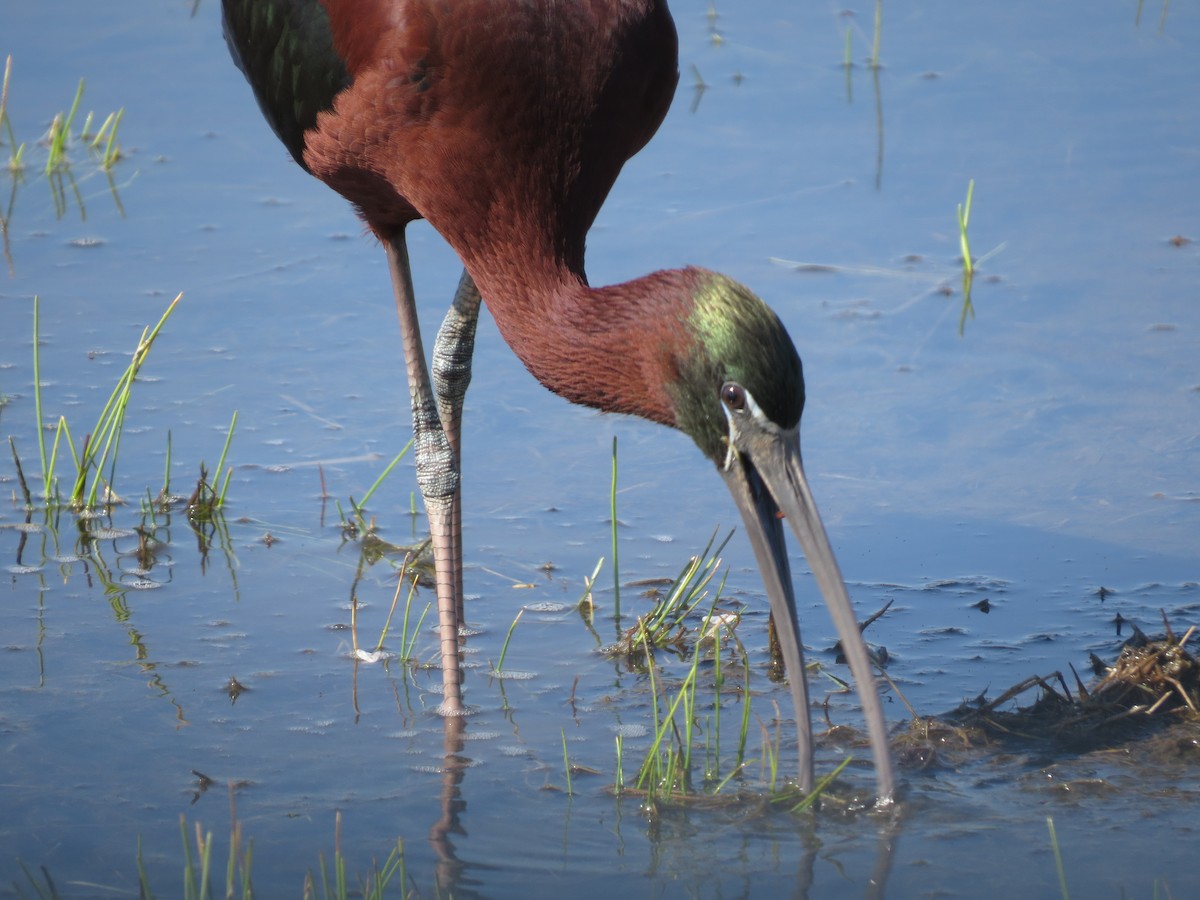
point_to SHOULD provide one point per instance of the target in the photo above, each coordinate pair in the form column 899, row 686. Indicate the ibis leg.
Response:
column 437, row 473
column 451, row 376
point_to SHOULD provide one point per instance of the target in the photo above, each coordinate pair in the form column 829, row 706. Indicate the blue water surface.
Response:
column 1043, row 451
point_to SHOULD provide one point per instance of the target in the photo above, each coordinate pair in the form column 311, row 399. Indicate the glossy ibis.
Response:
column 504, row 123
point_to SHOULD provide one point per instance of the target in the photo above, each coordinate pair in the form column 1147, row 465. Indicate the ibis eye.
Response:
column 733, row 396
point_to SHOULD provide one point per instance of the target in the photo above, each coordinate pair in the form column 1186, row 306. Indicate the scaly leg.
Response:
column 451, row 376
column 437, row 473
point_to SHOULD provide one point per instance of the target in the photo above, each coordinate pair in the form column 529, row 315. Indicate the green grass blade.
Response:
column 714, row 771
column 144, row 892
column 205, row 861
column 247, row 885
column 49, row 892
column 220, row 499
column 821, row 785
column 37, row 388
column 408, row 654
column 878, row 34
column 324, row 878
column 566, row 762
column 66, row 431
column 166, row 488
column 358, row 507
column 588, row 583
column 405, row 646
column 231, row 863
column 74, row 107
column 672, row 770
column 1058, row 860
column 508, row 637
column 619, row 785
column 648, row 765
column 224, row 453
column 56, row 141
column 12, row 445
column 59, row 430
column 60, row 130
column 112, row 417
column 745, row 729
column 339, row 861
column 85, row 131
column 737, row 770
column 16, row 151
column 387, row 623
column 964, row 220
column 112, row 150
column 189, row 880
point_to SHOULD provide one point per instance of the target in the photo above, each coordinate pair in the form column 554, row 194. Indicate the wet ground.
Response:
column 1045, row 453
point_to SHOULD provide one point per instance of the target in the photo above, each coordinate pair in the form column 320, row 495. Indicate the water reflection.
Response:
column 65, row 194
column 1162, row 16
column 450, row 869
column 118, row 557
column 674, row 836
column 878, row 127
column 120, row 562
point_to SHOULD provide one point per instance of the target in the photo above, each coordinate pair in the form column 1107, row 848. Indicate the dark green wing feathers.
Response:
column 285, row 50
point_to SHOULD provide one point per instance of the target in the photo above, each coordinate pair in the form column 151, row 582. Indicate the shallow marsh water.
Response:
column 1048, row 451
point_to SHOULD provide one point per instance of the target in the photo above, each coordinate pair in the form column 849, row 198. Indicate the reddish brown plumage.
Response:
column 445, row 120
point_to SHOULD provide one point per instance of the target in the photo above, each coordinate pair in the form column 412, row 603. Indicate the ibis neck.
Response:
column 610, row 348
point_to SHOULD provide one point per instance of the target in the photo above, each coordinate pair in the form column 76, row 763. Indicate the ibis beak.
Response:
column 766, row 477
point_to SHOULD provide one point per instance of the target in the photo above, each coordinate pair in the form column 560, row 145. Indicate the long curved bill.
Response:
column 766, row 478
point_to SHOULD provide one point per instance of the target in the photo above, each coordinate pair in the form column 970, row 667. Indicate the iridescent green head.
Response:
column 735, row 339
